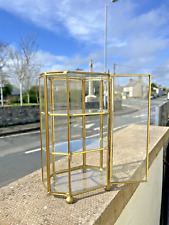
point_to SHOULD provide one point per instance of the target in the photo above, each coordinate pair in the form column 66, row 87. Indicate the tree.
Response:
column 23, row 60
column 34, row 91
column 31, row 80
column 4, row 53
column 164, row 89
column 7, row 90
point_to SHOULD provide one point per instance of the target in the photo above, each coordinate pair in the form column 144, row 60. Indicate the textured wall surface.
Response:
column 14, row 115
column 145, row 204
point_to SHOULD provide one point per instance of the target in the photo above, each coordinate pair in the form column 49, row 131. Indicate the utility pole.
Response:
column 114, row 68
column 91, row 92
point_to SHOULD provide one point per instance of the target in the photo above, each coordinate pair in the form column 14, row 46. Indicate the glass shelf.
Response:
column 78, row 112
column 77, row 146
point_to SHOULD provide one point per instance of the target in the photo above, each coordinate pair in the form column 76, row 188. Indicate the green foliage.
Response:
column 25, row 98
column 34, row 90
column 153, row 85
column 34, row 94
column 7, row 90
column 13, row 99
column 33, row 99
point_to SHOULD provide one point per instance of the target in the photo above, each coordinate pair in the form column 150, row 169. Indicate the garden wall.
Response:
column 15, row 115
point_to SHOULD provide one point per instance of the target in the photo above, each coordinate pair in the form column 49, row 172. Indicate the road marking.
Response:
column 94, row 135
column 90, row 125
column 139, row 116
column 98, row 128
column 20, row 134
column 34, row 150
column 116, row 128
column 130, row 106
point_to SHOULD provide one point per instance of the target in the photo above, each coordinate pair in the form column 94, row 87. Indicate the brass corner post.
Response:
column 148, row 127
column 109, row 127
column 111, row 122
column 40, row 110
column 52, row 125
column 69, row 198
column 84, row 123
column 101, row 124
column 47, row 133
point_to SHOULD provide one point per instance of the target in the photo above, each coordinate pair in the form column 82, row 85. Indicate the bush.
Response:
column 33, row 99
column 25, row 98
column 13, row 99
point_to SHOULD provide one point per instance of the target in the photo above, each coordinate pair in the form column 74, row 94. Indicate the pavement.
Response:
column 19, row 128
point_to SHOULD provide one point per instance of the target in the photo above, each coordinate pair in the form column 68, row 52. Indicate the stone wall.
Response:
column 14, row 115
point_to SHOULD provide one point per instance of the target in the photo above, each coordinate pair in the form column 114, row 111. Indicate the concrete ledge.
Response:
column 26, row 201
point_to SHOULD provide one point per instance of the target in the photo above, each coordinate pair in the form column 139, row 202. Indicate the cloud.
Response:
column 51, row 62
column 137, row 35
column 77, row 17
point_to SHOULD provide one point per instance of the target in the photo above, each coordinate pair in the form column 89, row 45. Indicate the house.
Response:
column 16, row 92
column 159, row 90
column 135, row 89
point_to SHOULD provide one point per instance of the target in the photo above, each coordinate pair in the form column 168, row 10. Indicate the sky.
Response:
column 71, row 33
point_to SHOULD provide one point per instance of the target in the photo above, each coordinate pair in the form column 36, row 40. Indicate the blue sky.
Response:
column 71, row 32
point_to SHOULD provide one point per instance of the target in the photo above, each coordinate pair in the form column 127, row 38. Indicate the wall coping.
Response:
column 25, row 201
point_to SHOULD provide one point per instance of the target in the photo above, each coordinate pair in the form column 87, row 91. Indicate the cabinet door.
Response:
column 130, row 121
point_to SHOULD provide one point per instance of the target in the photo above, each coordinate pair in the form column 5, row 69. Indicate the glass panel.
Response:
column 93, row 91
column 42, row 101
column 130, row 118
column 44, row 170
column 75, row 96
column 91, row 177
column 58, row 133
column 43, row 131
column 59, row 180
column 76, row 134
column 59, row 95
column 93, row 133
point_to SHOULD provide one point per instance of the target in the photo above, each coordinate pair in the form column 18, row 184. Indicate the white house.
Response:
column 135, row 89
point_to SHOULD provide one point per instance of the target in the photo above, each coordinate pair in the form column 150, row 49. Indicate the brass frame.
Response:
column 48, row 78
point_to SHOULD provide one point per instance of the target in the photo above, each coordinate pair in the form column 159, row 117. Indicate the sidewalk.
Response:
column 126, row 110
column 19, row 129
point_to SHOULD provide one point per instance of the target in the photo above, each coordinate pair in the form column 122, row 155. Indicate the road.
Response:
column 20, row 153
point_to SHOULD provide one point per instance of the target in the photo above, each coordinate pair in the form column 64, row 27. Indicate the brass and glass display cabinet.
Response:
column 80, row 138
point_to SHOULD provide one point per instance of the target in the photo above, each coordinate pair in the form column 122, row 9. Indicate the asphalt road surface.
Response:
column 20, row 153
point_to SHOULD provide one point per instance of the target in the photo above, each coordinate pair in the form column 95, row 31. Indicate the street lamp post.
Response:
column 105, row 47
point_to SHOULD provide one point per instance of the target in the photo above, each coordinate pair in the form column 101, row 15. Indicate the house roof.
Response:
column 17, row 92
column 118, row 88
column 132, row 83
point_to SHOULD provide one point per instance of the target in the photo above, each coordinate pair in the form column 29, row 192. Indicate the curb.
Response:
column 19, row 131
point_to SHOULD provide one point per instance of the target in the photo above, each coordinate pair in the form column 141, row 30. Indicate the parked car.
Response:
column 168, row 96
column 153, row 96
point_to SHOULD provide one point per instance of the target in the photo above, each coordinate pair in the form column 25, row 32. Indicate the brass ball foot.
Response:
column 107, row 188
column 69, row 200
